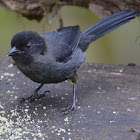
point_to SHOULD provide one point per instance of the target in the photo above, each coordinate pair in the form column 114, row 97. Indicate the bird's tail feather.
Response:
column 105, row 26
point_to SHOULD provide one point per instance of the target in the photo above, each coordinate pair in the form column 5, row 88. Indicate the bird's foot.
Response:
column 32, row 97
column 71, row 108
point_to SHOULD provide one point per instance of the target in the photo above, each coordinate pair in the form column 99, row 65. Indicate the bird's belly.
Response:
column 42, row 73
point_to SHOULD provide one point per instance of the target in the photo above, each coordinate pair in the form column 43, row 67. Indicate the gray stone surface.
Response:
column 108, row 105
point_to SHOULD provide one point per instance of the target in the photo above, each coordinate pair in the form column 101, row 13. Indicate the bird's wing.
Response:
column 63, row 42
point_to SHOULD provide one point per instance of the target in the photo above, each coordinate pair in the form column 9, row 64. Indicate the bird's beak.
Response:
column 14, row 51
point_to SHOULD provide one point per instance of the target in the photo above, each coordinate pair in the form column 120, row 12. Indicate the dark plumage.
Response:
column 56, row 56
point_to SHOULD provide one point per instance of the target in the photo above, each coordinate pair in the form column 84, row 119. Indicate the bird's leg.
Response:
column 33, row 96
column 72, row 107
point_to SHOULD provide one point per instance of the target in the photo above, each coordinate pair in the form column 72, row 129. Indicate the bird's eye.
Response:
column 28, row 46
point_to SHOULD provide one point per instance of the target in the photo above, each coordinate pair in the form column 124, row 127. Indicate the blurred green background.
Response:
column 121, row 46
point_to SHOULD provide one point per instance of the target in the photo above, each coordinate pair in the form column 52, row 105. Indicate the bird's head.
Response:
column 26, row 45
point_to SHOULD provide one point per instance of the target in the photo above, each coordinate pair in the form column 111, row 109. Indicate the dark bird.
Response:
column 56, row 56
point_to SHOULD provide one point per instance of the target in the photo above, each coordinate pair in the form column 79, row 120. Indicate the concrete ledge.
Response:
column 109, row 105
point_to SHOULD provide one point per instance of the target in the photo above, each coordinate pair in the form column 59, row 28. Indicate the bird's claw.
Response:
column 21, row 99
column 72, row 108
column 27, row 98
column 33, row 97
